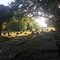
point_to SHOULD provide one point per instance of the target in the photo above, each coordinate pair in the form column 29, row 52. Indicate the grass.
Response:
column 15, row 40
column 8, row 41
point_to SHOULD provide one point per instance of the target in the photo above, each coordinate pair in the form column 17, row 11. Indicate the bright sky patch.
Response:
column 5, row 2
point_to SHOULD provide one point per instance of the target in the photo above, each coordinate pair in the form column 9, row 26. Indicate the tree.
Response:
column 5, row 15
column 28, row 24
column 33, row 7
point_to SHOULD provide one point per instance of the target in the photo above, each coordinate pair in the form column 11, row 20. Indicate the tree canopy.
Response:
column 31, row 8
column 5, row 13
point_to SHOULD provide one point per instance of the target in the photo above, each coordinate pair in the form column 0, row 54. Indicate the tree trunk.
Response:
column 0, row 28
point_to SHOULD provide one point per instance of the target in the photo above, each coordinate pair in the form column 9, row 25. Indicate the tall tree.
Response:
column 34, row 7
column 5, row 15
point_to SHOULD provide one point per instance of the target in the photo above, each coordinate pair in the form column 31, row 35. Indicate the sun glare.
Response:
column 41, row 21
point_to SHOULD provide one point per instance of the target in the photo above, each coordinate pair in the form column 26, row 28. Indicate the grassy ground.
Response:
column 31, row 49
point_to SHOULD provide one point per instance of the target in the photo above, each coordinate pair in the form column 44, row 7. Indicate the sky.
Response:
column 5, row 2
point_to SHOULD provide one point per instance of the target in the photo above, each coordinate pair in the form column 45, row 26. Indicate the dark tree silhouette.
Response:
column 5, row 15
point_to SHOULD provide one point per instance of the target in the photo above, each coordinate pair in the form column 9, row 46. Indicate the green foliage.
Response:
column 11, row 25
column 23, row 24
column 27, row 24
